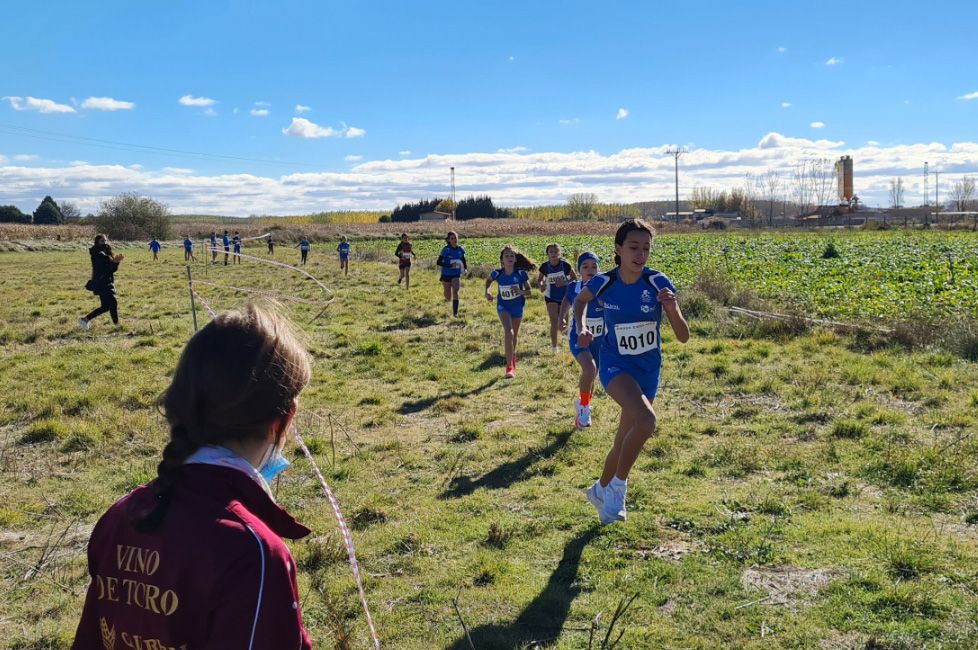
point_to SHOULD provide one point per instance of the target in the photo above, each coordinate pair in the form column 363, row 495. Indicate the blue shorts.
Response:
column 512, row 307
column 647, row 381
column 237, row 249
column 575, row 350
column 344, row 258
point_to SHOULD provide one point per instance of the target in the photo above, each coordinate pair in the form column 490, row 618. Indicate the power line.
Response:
column 132, row 147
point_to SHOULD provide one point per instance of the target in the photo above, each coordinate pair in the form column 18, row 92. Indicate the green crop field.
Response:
column 808, row 488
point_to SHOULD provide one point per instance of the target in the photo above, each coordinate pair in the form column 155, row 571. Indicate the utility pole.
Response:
column 937, row 199
column 675, row 153
column 926, row 188
column 453, row 193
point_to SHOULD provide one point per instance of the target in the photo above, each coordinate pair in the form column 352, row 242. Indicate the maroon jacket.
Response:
column 215, row 574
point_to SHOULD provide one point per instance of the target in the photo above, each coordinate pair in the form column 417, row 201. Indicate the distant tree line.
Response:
column 472, row 207
column 47, row 212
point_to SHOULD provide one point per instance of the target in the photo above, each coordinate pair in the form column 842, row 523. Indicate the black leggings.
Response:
column 109, row 304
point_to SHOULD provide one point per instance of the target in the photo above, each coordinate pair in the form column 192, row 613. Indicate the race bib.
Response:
column 596, row 325
column 554, row 278
column 509, row 291
column 405, row 256
column 636, row 338
column 456, row 264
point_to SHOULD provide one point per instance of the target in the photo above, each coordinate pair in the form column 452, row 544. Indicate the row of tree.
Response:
column 473, row 207
column 48, row 213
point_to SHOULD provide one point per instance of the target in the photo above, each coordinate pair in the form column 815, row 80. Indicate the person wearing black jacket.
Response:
column 102, row 284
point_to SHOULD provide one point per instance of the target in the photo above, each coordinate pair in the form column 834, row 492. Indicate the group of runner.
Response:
column 613, row 333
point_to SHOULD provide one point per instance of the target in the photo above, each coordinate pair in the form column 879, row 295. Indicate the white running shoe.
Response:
column 595, row 494
column 583, row 416
column 614, row 504
column 556, row 349
column 82, row 323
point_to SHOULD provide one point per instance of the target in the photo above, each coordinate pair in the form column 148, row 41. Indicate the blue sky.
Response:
column 530, row 100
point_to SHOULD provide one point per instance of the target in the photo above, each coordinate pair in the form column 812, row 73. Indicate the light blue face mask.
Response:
column 274, row 465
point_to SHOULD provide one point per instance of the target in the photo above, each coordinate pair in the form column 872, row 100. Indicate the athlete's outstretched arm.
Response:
column 676, row 319
column 584, row 336
column 488, row 284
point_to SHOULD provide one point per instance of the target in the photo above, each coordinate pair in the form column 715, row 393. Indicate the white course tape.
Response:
column 345, row 531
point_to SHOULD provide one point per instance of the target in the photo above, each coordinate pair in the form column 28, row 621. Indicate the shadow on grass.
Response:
column 540, row 622
column 497, row 360
column 507, row 473
column 412, row 322
column 422, row 404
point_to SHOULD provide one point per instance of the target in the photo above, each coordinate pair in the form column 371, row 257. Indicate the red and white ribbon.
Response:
column 347, row 538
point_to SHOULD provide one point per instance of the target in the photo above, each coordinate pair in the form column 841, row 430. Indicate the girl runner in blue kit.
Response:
column 555, row 274
column 635, row 299
column 344, row 250
column 514, row 286
column 452, row 263
column 587, row 266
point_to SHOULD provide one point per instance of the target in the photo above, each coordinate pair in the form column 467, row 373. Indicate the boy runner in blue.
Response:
column 226, row 240
column 635, row 299
column 344, row 250
column 213, row 247
column 303, row 247
column 155, row 247
column 237, row 248
column 587, row 266
column 514, row 285
column 452, row 263
column 555, row 274
column 188, row 250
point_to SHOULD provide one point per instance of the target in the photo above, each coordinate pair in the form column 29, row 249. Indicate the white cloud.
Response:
column 178, row 171
column 78, row 163
column 785, row 104
column 782, row 50
column 574, row 120
column 834, row 61
column 260, row 112
column 301, row 108
column 135, row 166
column 872, row 143
column 970, row 96
column 210, row 112
column 817, row 125
column 622, row 113
column 354, row 132
column 39, row 105
column 303, row 128
column 262, row 104
column 352, row 158
column 406, row 152
column 187, row 100
column 3, row 159
column 24, row 157
column 510, row 150
column 636, row 174
column 107, row 104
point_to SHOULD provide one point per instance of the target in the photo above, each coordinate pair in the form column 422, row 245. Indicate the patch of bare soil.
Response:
column 787, row 585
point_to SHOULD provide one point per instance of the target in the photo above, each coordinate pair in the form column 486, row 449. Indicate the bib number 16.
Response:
column 636, row 338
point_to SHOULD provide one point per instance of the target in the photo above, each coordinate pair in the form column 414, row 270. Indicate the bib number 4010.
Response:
column 636, row 338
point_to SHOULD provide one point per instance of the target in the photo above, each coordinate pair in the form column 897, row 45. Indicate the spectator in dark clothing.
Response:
column 102, row 284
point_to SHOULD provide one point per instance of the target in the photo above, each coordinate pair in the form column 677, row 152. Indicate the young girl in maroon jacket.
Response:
column 195, row 559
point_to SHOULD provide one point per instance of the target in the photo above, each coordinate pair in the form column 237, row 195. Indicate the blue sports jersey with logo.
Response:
column 453, row 256
column 632, row 319
column 509, row 286
column 552, row 272
column 344, row 249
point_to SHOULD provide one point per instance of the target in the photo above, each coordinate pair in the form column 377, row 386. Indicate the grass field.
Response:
column 807, row 489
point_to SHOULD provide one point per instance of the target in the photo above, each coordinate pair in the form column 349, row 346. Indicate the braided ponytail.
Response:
column 180, row 447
